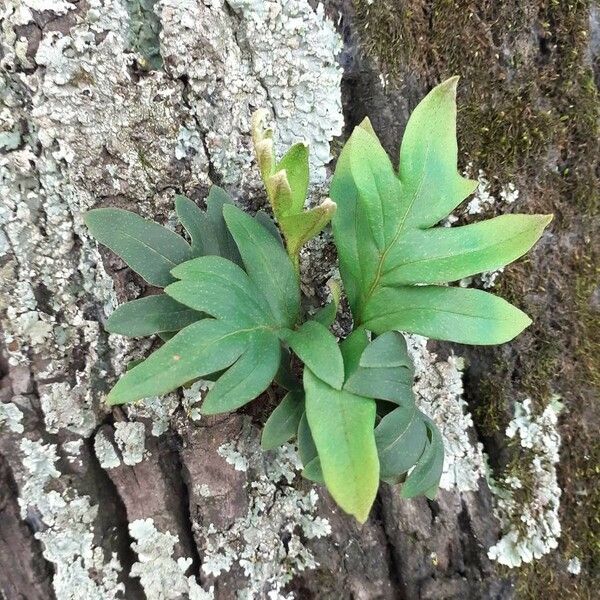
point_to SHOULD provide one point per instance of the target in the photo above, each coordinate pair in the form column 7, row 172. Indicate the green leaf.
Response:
column 286, row 183
column 246, row 357
column 193, row 220
column 148, row 248
column 451, row 253
column 425, row 477
column 432, row 187
column 301, row 227
column 220, row 288
column 204, row 347
column 280, row 193
column 386, row 248
column 284, row 376
column 316, row 346
column 352, row 348
column 165, row 336
column 282, row 424
column 341, row 424
column 267, row 222
column 313, row 472
column 446, row 313
column 384, row 371
column 133, row 363
column 208, row 230
column 308, row 452
column 218, row 240
column 306, row 445
column 267, row 265
column 247, row 378
column 295, row 165
column 401, row 437
column 154, row 314
column 387, row 350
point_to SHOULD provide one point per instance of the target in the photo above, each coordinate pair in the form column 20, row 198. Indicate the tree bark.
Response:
column 125, row 103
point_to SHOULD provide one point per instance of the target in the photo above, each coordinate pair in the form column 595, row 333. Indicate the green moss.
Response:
column 588, row 318
column 491, row 412
column 529, row 113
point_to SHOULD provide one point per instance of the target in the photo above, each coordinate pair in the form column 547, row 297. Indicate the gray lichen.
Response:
column 105, row 451
column 66, row 529
column 161, row 576
column 11, row 417
column 438, row 387
column 276, row 512
column 531, row 527
column 130, row 438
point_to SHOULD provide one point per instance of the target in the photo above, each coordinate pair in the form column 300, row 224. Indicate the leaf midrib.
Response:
column 402, row 433
column 402, row 223
column 279, row 291
column 457, row 254
column 200, row 348
column 444, row 311
column 143, row 243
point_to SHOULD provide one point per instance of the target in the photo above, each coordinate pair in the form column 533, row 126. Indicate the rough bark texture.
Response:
column 127, row 102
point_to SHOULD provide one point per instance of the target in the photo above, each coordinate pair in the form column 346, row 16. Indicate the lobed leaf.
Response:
column 202, row 348
column 148, row 248
column 150, row 315
column 431, row 185
column 385, row 246
column 450, row 253
column 240, row 346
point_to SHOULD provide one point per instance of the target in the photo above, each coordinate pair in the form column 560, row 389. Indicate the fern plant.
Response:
column 231, row 303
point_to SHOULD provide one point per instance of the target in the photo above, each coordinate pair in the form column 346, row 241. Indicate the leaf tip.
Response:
column 207, row 409
column 449, row 85
column 258, row 125
column 86, row 216
column 367, row 126
column 112, row 398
